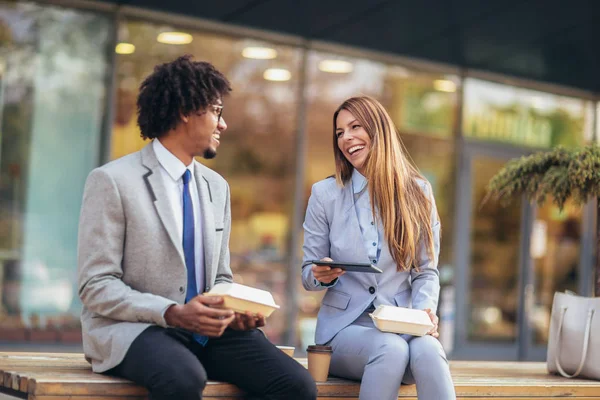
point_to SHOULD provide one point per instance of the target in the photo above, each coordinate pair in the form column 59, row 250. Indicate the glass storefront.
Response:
column 511, row 260
column 524, row 117
column 55, row 70
column 494, row 259
column 54, row 67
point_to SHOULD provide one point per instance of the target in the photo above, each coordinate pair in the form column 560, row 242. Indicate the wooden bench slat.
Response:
column 64, row 386
column 86, row 398
column 54, row 376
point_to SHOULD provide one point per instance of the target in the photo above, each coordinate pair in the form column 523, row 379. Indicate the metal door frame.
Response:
column 463, row 348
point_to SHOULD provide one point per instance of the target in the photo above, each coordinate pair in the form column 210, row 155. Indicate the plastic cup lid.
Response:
column 319, row 349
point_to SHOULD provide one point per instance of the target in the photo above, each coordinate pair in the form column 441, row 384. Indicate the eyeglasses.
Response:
column 218, row 110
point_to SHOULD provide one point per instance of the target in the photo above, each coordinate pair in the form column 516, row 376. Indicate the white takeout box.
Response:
column 401, row 320
column 241, row 298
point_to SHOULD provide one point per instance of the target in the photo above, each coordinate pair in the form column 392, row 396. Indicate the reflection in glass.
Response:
column 555, row 249
column 494, row 261
column 54, row 69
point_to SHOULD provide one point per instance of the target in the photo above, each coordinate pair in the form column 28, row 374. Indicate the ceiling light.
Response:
column 259, row 53
column 277, row 74
column 443, row 85
column 124, row 48
column 174, row 38
column 335, row 66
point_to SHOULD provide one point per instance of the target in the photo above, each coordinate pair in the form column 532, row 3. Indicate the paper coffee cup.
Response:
column 319, row 358
column 289, row 350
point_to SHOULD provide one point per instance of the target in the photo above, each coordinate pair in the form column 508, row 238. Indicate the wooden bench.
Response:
column 51, row 376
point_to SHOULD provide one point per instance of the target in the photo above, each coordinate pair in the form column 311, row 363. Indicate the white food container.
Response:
column 401, row 320
column 240, row 298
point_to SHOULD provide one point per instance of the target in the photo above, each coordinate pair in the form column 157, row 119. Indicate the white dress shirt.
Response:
column 172, row 175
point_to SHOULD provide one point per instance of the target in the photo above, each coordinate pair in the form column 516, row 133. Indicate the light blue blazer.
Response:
column 331, row 229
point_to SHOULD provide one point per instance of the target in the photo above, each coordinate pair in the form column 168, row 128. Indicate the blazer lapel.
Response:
column 155, row 184
column 208, row 221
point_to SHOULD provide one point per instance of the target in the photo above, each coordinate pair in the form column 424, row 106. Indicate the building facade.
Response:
column 69, row 77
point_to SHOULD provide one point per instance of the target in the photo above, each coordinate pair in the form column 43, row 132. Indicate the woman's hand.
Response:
column 326, row 274
column 434, row 318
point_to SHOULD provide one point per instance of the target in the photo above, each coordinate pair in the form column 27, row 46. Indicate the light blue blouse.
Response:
column 371, row 232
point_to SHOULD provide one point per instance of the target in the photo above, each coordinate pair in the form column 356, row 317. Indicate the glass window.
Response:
column 495, row 234
column 523, row 117
column 257, row 153
column 555, row 250
column 53, row 71
column 423, row 107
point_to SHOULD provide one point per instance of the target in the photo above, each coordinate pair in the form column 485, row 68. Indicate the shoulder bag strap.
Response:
column 586, row 340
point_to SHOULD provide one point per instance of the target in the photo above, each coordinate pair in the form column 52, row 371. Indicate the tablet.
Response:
column 348, row 266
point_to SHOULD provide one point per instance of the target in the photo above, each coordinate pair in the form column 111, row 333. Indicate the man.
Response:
column 153, row 236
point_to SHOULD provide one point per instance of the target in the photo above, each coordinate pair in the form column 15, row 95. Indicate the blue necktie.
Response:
column 188, row 246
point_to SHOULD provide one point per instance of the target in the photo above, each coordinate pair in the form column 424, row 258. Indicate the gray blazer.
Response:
column 131, row 266
column 331, row 229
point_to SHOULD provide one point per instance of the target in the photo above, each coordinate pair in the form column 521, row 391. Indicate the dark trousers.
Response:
column 172, row 365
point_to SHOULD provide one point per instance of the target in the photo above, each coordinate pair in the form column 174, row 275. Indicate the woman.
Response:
column 378, row 209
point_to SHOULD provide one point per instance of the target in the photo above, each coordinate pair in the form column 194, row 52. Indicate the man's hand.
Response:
column 434, row 318
column 325, row 274
column 199, row 316
column 247, row 321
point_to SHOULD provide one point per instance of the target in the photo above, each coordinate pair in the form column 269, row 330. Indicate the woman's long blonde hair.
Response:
column 404, row 208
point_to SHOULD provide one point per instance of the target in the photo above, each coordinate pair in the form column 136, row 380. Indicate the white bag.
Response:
column 574, row 341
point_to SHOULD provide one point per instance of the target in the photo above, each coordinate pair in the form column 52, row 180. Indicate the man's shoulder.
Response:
column 120, row 172
column 123, row 166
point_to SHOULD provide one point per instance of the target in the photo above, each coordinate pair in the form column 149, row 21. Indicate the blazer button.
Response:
column 371, row 290
column 181, row 289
